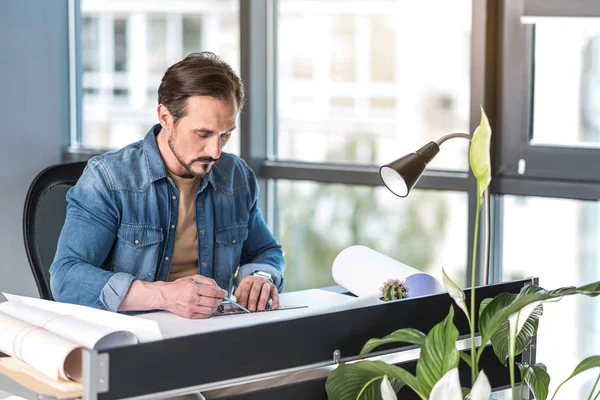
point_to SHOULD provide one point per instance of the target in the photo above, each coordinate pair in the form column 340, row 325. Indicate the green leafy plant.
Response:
column 509, row 321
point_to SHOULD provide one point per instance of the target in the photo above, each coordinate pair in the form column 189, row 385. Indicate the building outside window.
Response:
column 126, row 48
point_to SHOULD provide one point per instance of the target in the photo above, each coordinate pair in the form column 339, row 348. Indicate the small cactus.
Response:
column 393, row 289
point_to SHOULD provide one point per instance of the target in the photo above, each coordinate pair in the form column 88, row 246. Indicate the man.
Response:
column 144, row 221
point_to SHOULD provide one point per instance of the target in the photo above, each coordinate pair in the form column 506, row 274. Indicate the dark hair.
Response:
column 199, row 74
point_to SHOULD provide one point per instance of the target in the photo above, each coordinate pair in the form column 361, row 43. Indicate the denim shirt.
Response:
column 121, row 223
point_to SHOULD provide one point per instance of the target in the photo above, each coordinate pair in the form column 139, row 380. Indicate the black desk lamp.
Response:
column 400, row 177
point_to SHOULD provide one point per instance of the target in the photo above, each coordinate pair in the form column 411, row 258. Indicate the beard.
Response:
column 204, row 169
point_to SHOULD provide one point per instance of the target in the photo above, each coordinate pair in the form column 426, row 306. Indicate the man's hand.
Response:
column 255, row 291
column 188, row 299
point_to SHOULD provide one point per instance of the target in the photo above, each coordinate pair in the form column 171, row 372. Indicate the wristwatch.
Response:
column 264, row 275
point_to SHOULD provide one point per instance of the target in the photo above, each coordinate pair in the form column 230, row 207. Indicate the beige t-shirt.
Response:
column 185, row 254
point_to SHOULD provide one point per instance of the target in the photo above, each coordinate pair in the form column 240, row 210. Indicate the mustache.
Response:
column 204, row 159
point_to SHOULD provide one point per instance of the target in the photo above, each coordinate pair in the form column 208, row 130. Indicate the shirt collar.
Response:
column 155, row 164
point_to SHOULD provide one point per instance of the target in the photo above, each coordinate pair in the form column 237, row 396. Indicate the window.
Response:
column 562, row 239
column 157, row 44
column 372, row 74
column 120, row 45
column 426, row 230
column 566, row 106
column 89, row 37
column 549, row 101
column 192, row 34
column 124, row 54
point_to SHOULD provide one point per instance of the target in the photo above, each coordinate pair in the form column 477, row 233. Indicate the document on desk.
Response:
column 52, row 355
column 50, row 336
column 359, row 269
column 317, row 301
column 144, row 331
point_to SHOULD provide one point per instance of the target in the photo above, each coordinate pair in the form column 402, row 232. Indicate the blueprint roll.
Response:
column 363, row 271
column 52, row 355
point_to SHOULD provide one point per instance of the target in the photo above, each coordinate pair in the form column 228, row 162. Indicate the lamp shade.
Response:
column 400, row 176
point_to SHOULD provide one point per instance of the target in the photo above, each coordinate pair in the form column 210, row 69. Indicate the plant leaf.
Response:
column 447, row 388
column 484, row 303
column 438, row 354
column 537, row 378
column 516, row 322
column 348, row 381
column 465, row 357
column 498, row 310
column 397, row 385
column 456, row 293
column 465, row 392
column 588, row 363
column 482, row 390
column 500, row 338
column 405, row 335
column 479, row 154
column 387, row 391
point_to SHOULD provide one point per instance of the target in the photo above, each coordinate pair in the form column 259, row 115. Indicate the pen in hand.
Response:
column 226, row 298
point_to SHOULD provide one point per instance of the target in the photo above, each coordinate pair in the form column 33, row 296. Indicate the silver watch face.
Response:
column 264, row 275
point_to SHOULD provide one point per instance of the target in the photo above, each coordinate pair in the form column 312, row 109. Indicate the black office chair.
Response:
column 44, row 217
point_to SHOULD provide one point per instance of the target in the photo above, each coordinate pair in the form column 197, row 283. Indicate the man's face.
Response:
column 198, row 138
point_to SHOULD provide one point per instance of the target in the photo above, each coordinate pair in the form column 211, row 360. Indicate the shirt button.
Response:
column 167, row 258
column 172, row 226
column 204, row 263
column 234, row 241
column 174, row 197
column 202, row 231
column 198, row 204
column 136, row 241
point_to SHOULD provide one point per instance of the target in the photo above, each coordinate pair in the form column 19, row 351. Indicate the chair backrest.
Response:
column 44, row 217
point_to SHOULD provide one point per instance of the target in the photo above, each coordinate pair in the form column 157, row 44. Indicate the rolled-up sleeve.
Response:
column 88, row 235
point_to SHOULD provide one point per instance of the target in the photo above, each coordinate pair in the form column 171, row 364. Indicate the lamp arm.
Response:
column 452, row 135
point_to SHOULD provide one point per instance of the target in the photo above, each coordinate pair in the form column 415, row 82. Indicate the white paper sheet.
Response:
column 85, row 333
column 363, row 271
column 144, row 330
column 52, row 355
column 318, row 302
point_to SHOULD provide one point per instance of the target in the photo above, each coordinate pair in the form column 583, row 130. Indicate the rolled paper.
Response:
column 52, row 355
column 363, row 271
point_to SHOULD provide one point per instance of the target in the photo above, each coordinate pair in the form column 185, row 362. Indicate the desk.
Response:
column 287, row 359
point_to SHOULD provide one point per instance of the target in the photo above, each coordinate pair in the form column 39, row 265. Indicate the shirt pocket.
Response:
column 137, row 250
column 228, row 249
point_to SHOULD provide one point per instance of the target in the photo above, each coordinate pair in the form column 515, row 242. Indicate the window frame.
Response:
column 550, row 171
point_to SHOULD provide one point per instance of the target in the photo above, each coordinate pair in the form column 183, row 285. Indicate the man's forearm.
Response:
column 143, row 296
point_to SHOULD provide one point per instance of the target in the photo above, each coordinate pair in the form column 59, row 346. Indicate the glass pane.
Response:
column 372, row 74
column 426, row 230
column 126, row 52
column 566, row 101
column 192, row 31
column 558, row 240
column 120, row 45
column 89, row 36
column 157, row 43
